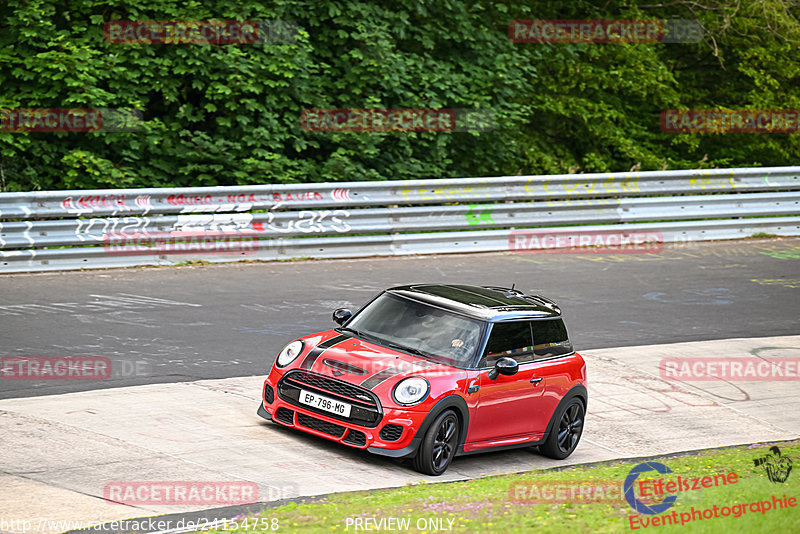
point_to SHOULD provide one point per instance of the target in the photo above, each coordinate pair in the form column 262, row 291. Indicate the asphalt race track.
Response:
column 189, row 348
column 60, row 452
column 160, row 325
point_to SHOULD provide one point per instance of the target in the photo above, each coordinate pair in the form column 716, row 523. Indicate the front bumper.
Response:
column 397, row 441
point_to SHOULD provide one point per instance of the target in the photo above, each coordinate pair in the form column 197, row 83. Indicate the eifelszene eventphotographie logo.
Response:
column 776, row 465
column 630, row 494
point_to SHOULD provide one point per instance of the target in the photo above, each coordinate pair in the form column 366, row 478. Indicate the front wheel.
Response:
column 439, row 445
column 566, row 432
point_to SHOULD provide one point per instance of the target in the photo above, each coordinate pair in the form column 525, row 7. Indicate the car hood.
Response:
column 362, row 363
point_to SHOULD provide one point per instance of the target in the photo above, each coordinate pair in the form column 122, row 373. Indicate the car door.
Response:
column 507, row 405
column 553, row 364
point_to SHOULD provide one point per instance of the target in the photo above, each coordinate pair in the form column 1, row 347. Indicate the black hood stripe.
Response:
column 315, row 353
column 386, row 374
column 381, row 376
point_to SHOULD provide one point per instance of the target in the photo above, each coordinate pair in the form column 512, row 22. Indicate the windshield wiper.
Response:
column 381, row 341
column 410, row 350
column 358, row 333
column 348, row 329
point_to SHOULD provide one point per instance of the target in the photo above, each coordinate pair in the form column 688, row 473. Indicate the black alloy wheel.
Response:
column 438, row 447
column 566, row 432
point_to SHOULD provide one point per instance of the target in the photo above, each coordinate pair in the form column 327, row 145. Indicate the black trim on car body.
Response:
column 288, row 382
column 453, row 401
column 578, row 390
column 263, row 412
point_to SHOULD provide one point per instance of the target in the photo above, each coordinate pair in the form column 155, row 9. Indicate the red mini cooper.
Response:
column 430, row 372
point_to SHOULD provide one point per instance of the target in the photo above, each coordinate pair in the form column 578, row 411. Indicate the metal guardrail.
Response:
column 56, row 230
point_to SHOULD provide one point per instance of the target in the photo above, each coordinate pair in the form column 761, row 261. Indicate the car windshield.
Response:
column 430, row 332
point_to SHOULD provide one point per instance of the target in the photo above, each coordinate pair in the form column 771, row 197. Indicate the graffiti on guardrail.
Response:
column 307, row 222
column 596, row 188
column 87, row 204
column 39, row 228
column 188, row 203
column 187, row 200
column 297, row 197
column 92, row 202
column 140, row 229
column 214, row 222
column 590, row 188
column 444, row 193
column 479, row 214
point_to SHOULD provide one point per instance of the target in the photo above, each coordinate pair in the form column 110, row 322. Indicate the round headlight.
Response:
column 290, row 353
column 411, row 390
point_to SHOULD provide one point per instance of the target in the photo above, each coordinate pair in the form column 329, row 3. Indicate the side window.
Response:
column 509, row 339
column 550, row 338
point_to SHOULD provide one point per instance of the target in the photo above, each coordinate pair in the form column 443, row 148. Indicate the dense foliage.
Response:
column 230, row 114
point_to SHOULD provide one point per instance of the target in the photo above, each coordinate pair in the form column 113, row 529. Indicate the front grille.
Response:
column 285, row 415
column 269, row 394
column 355, row 437
column 365, row 408
column 333, row 385
column 320, row 425
column 391, row 432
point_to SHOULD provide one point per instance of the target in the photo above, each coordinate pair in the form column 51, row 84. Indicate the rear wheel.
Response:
column 439, row 445
column 566, row 431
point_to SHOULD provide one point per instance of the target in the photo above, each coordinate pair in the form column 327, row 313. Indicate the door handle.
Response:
column 536, row 380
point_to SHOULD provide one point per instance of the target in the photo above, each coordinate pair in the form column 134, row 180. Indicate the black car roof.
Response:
column 484, row 302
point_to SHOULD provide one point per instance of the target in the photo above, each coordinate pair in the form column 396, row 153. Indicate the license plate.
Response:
column 325, row 403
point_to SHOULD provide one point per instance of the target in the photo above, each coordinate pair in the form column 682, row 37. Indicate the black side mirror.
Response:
column 504, row 366
column 341, row 315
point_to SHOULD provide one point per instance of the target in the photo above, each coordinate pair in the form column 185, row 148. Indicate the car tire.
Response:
column 439, row 446
column 566, row 432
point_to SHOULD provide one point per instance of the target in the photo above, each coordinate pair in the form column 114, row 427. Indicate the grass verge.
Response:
column 506, row 503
